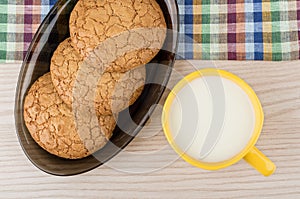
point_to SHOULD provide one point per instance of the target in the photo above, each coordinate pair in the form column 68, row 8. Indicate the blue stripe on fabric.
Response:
column 46, row 5
column 189, row 2
column 52, row 2
column 188, row 19
column 189, row 10
column 188, row 30
column 249, row 30
column 258, row 30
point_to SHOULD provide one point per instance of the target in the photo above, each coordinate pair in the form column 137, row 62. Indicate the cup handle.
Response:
column 260, row 162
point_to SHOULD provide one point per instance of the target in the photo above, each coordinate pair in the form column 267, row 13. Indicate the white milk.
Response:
column 212, row 119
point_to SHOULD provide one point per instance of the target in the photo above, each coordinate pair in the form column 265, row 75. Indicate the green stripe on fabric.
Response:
column 3, row 29
column 2, row 55
column 214, row 40
column 276, row 35
column 3, row 37
column 3, row 9
column 11, row 38
column 205, row 2
column 285, row 26
column 3, row 18
column 3, row 2
column 206, row 29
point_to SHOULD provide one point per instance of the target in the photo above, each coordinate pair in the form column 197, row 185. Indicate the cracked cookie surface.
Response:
column 94, row 21
column 64, row 66
column 115, row 91
column 51, row 123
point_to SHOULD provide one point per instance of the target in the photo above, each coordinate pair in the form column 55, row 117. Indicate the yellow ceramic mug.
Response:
column 248, row 151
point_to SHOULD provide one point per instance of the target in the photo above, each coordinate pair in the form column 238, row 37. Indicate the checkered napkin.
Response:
column 19, row 20
column 210, row 29
column 240, row 29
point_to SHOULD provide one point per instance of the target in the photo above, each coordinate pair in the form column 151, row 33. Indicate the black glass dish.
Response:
column 53, row 30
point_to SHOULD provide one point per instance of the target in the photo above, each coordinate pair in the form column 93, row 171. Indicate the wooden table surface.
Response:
column 149, row 168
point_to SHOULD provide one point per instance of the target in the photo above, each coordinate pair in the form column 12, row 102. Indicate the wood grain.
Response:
column 148, row 168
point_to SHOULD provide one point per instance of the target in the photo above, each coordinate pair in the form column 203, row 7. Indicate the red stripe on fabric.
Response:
column 28, row 12
column 298, row 19
column 231, row 28
column 37, row 2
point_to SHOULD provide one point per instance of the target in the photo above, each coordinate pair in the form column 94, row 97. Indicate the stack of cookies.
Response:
column 71, row 111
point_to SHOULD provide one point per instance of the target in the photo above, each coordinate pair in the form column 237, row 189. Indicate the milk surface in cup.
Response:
column 211, row 119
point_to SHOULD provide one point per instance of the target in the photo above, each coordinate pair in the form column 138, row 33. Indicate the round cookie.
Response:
column 117, row 91
column 65, row 64
column 93, row 21
column 51, row 123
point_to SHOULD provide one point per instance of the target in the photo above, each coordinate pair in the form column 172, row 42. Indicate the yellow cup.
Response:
column 250, row 153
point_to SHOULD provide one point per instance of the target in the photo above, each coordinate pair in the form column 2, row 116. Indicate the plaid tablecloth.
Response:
column 19, row 20
column 210, row 29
